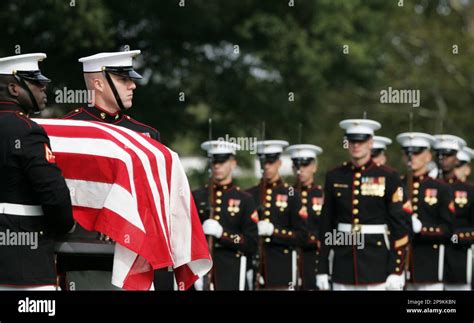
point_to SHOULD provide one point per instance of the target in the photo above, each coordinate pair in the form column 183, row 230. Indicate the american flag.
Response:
column 133, row 189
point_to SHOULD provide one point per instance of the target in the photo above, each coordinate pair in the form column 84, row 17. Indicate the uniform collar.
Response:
column 10, row 106
column 421, row 177
column 102, row 114
column 222, row 188
column 276, row 183
column 362, row 167
column 451, row 179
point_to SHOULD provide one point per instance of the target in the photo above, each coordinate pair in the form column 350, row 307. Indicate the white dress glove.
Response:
column 199, row 284
column 322, row 281
column 395, row 282
column 212, row 228
column 265, row 228
column 416, row 224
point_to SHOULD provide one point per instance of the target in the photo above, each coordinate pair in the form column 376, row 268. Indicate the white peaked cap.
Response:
column 304, row 151
column 97, row 62
column 25, row 62
column 449, row 142
column 216, row 147
column 271, row 146
column 415, row 139
column 381, row 142
column 466, row 154
column 360, row 126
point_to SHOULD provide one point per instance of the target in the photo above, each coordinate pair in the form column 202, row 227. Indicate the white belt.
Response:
column 20, row 209
column 363, row 228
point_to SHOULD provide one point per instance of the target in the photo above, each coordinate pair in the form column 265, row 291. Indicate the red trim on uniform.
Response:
column 142, row 124
column 105, row 111
column 73, row 113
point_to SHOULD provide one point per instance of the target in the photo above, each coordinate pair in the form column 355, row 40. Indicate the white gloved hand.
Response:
column 322, row 281
column 395, row 282
column 265, row 228
column 199, row 284
column 212, row 228
column 416, row 224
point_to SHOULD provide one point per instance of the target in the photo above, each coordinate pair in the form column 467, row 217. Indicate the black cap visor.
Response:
column 298, row 162
column 446, row 152
column 376, row 152
column 125, row 71
column 414, row 150
column 220, row 158
column 268, row 158
column 358, row 137
column 34, row 76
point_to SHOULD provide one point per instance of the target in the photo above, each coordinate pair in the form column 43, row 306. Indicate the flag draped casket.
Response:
column 134, row 190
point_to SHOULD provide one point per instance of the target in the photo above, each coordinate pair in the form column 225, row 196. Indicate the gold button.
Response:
column 313, row 238
column 276, row 230
column 201, row 211
column 267, row 240
column 285, row 251
column 218, row 209
column 290, row 233
column 461, row 235
column 304, row 201
column 415, row 207
column 415, row 199
column 225, row 234
column 268, row 204
column 268, row 197
column 379, row 243
column 77, row 110
column 356, row 183
column 468, row 234
column 355, row 220
column 431, row 229
column 358, row 175
column 424, row 229
column 219, row 193
column 355, row 211
column 399, row 252
column 338, row 194
column 304, row 193
column 397, row 269
column 269, row 191
column 219, row 201
column 102, row 115
column 266, row 220
column 355, row 202
column 415, row 192
column 416, row 185
column 267, row 212
column 437, row 230
column 283, row 231
column 435, row 246
column 356, row 192
column 217, row 217
column 398, row 261
column 237, row 255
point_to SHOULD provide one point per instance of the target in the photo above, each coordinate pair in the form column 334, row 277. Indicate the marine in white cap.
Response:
column 305, row 165
column 24, row 82
column 432, row 213
column 458, row 268
column 229, row 216
column 281, row 227
column 33, row 193
column 378, row 149
column 463, row 168
column 361, row 199
column 111, row 77
column 446, row 148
